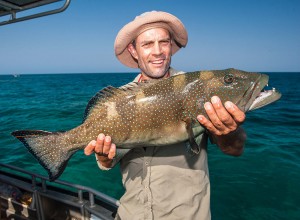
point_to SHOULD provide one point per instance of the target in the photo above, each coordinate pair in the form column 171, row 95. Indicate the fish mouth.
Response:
column 259, row 95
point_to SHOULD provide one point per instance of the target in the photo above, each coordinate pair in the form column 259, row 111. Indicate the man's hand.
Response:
column 223, row 125
column 104, row 149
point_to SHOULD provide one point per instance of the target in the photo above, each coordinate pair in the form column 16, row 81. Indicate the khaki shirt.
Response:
column 168, row 182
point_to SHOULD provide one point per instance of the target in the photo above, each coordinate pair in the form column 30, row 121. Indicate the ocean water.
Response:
column 263, row 183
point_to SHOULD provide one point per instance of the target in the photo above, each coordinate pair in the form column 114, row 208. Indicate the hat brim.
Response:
column 156, row 19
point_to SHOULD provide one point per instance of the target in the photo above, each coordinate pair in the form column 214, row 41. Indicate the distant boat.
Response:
column 16, row 75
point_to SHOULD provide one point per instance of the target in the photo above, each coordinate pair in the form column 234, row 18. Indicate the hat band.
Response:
column 153, row 25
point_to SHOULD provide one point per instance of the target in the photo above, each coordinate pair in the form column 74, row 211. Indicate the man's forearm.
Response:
column 232, row 143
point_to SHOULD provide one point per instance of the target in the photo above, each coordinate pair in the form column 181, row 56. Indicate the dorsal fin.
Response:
column 130, row 86
column 101, row 95
column 110, row 92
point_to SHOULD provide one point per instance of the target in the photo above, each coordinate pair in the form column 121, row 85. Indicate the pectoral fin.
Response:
column 193, row 144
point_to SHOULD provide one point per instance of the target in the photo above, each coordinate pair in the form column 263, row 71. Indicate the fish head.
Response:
column 245, row 89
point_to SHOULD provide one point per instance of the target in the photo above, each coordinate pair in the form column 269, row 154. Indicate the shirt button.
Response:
column 146, row 163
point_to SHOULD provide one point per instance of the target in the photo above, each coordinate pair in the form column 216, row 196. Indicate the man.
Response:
column 168, row 182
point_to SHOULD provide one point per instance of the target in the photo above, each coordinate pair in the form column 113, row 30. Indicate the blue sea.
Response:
column 263, row 183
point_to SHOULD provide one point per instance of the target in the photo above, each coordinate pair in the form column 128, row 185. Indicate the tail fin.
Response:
column 47, row 148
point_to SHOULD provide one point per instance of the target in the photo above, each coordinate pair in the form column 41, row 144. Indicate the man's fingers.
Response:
column 89, row 149
column 112, row 151
column 237, row 114
column 213, row 116
column 99, row 144
column 107, row 145
column 207, row 124
column 222, row 120
column 102, row 146
column 223, row 114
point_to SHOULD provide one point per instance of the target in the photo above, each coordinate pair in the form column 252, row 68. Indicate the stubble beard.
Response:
column 160, row 75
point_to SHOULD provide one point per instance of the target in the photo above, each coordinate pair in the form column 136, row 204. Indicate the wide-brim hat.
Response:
column 146, row 21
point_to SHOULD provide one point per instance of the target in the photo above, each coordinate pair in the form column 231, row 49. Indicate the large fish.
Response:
column 155, row 113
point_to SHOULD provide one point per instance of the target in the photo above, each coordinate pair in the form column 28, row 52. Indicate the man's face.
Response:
column 153, row 52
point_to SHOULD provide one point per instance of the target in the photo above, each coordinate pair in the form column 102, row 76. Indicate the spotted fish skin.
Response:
column 156, row 113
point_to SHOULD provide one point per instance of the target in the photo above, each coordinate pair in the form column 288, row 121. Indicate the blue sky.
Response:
column 252, row 35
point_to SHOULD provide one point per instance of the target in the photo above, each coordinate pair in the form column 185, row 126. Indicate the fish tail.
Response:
column 47, row 148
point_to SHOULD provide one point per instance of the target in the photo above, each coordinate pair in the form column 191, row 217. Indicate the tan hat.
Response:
column 146, row 21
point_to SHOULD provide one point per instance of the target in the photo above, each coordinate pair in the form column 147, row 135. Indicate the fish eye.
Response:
column 228, row 78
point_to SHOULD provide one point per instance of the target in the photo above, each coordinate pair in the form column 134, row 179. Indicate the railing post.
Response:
column 92, row 199
column 80, row 196
column 33, row 181
column 44, row 185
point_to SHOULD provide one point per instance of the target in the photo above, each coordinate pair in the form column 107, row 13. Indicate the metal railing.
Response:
column 13, row 10
column 39, row 185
